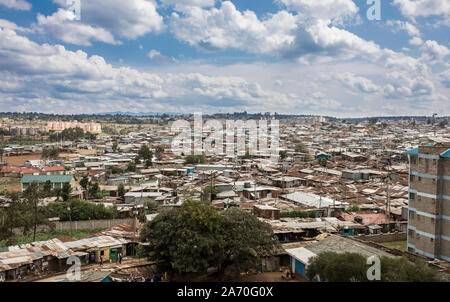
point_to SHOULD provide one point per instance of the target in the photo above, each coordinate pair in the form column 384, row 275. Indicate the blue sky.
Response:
column 287, row 56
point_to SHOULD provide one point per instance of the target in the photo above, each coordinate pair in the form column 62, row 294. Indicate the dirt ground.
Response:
column 20, row 159
column 269, row 277
column 12, row 184
column 250, row 277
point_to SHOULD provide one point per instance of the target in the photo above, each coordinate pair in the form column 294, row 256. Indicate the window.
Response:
column 410, row 232
column 418, row 217
column 420, row 179
column 411, row 214
column 413, row 160
column 412, row 196
column 432, row 220
column 411, row 177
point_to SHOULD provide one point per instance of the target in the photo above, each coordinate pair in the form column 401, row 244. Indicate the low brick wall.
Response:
column 81, row 225
column 382, row 238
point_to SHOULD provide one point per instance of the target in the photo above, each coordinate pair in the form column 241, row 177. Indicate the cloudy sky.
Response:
column 321, row 57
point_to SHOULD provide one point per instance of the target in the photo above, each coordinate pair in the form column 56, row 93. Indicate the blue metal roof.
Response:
column 413, row 151
column 446, row 153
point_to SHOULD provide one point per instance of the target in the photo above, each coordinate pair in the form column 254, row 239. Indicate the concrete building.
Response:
column 429, row 201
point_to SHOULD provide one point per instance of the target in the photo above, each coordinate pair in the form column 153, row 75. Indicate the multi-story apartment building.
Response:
column 429, row 201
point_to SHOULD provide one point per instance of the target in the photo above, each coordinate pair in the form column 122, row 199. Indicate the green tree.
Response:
column 131, row 167
column 283, row 154
column 300, row 147
column 66, row 190
column 81, row 210
column 115, row 170
column 402, row 270
column 323, row 162
column 150, row 207
column 247, row 239
column 298, row 214
column 352, row 208
column 307, row 157
column 195, row 237
column 159, row 151
column 50, row 153
column 145, row 153
column 352, row 267
column 148, row 163
column 115, row 146
column 185, row 239
column 84, row 182
column 121, row 190
column 195, row 159
column 47, row 189
column 30, row 213
column 94, row 189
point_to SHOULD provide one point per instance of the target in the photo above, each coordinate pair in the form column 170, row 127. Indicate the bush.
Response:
column 81, row 210
column 352, row 267
column 298, row 214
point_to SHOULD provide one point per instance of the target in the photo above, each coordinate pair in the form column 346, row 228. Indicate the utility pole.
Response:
column 35, row 217
column 70, row 218
column 434, row 122
column 388, row 200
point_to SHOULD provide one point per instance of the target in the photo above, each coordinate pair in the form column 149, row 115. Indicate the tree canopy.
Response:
column 185, row 239
column 301, row 147
column 195, row 237
column 353, row 267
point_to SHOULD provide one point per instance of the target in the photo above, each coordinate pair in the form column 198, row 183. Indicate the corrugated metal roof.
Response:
column 45, row 178
column 446, row 153
column 413, row 151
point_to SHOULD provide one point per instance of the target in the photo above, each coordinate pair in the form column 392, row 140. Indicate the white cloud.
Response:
column 359, row 83
column 63, row 26
column 445, row 78
column 406, row 26
column 416, row 41
column 300, row 37
column 53, row 75
column 226, row 27
column 332, row 10
column 182, row 5
column 433, row 52
column 128, row 19
column 157, row 56
column 16, row 4
column 423, row 8
column 403, row 85
column 11, row 25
